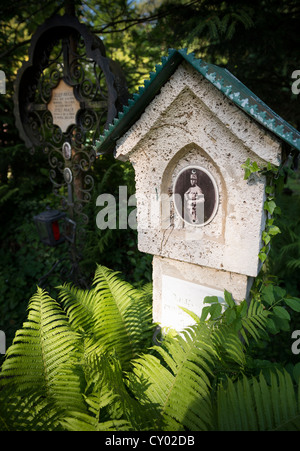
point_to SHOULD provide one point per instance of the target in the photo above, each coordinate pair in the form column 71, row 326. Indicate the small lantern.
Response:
column 50, row 226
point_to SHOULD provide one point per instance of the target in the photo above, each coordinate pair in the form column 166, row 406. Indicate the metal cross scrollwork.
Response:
column 65, row 96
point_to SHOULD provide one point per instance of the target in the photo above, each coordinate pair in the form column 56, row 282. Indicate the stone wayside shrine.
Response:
column 188, row 132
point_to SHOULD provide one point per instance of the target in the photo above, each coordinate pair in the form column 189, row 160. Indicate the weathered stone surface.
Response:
column 190, row 284
column 191, row 123
column 192, row 128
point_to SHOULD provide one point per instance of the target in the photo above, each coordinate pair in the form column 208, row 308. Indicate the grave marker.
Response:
column 187, row 134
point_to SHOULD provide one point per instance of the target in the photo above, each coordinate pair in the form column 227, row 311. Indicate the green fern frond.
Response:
column 6, row 193
column 231, row 330
column 177, row 381
column 103, row 238
column 105, row 389
column 229, row 346
column 106, row 177
column 78, row 421
column 27, row 411
column 123, row 316
column 256, row 320
column 79, row 305
column 291, row 247
column 147, row 292
column 254, row 405
column 44, row 356
column 90, row 367
column 112, row 315
column 293, row 263
column 108, row 398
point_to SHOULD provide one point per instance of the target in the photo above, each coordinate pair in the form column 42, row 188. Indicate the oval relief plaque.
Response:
column 196, row 196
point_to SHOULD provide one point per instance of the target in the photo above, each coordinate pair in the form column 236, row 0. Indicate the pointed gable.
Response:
column 225, row 82
column 195, row 116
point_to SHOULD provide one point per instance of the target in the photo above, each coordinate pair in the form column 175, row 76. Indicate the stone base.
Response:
column 177, row 283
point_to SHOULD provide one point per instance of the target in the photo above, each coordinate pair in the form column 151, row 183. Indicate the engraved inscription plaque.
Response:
column 63, row 106
column 178, row 293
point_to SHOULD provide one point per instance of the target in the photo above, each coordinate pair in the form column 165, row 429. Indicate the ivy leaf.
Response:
column 247, row 174
column 255, row 167
column 266, row 238
column 274, row 230
column 269, row 189
column 249, row 168
column 246, row 165
column 270, row 206
column 262, row 256
column 277, row 210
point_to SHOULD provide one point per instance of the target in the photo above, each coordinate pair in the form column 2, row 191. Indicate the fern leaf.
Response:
column 229, row 345
column 6, row 193
column 123, row 319
column 79, row 306
column 180, row 389
column 147, row 292
column 112, row 314
column 252, row 404
column 82, row 422
column 44, row 355
column 255, row 323
column 26, row 411
column 293, row 263
column 108, row 398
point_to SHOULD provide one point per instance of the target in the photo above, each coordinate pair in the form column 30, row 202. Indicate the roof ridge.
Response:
column 138, row 94
column 220, row 77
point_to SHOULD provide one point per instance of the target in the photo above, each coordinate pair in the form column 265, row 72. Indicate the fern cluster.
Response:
column 87, row 362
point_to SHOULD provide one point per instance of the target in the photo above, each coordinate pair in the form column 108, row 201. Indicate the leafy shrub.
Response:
column 88, row 363
column 24, row 260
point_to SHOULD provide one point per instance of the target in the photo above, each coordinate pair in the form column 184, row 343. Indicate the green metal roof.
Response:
column 221, row 78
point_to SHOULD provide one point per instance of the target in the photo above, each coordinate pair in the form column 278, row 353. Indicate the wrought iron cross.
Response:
column 65, row 96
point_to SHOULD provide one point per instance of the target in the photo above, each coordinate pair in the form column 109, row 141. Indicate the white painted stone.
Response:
column 178, row 293
column 186, row 79
column 192, row 124
column 200, row 282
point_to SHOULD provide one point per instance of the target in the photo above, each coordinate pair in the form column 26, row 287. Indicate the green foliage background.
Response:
column 258, row 41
